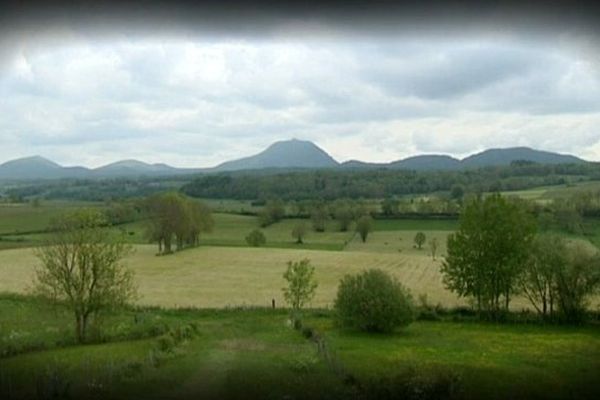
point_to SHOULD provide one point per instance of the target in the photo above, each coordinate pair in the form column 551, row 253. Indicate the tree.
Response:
column 364, row 226
column 81, row 265
column 273, row 211
column 301, row 285
column 373, row 301
column 420, row 239
column 433, row 247
column 486, row 255
column 576, row 281
column 299, row 231
column 390, row 206
column 319, row 216
column 560, row 278
column 457, row 192
column 256, row 238
column 343, row 214
column 537, row 282
column 174, row 216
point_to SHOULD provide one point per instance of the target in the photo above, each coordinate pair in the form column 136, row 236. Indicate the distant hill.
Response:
column 427, row 163
column 35, row 167
column 133, row 167
column 285, row 154
column 487, row 158
column 494, row 157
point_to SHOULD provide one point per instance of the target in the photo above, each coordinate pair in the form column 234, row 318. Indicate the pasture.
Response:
column 239, row 354
column 226, row 276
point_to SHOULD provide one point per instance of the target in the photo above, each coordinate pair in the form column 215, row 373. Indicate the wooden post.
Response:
column 273, row 303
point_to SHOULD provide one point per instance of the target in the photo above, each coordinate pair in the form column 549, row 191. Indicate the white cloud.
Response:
column 191, row 102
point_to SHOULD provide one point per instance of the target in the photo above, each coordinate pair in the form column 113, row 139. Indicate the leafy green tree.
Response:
column 373, row 301
column 81, row 265
column 301, row 285
column 273, row 211
column 299, row 232
column 537, row 282
column 344, row 216
column 364, row 226
column 420, row 239
column 577, row 281
column 485, row 257
column 256, row 238
column 390, row 206
column 559, row 279
column 319, row 217
column 173, row 216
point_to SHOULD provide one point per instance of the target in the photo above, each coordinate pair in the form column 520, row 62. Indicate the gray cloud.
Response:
column 194, row 101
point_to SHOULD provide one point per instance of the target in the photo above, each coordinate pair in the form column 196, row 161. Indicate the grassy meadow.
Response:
column 254, row 353
column 211, row 276
column 202, row 326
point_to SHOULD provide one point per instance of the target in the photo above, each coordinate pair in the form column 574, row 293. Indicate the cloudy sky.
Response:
column 197, row 99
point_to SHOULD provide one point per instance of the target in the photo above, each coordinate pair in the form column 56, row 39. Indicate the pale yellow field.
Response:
column 234, row 276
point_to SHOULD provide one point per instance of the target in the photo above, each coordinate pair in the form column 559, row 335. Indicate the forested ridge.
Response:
column 380, row 183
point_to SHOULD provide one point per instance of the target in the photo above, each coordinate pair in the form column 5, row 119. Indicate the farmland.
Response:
column 242, row 348
column 225, row 276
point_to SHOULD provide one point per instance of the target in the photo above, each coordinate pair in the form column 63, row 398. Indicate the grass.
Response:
column 495, row 361
column 547, row 193
column 16, row 218
column 236, row 354
column 227, row 276
column 415, row 224
column 254, row 353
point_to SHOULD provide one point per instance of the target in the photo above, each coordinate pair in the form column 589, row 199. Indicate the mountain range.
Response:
column 283, row 155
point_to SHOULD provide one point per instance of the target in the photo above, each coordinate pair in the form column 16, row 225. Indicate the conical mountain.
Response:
column 285, row 154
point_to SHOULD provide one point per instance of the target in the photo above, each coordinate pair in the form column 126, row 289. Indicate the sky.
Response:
column 196, row 98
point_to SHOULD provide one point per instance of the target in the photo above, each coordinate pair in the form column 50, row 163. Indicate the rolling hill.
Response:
column 288, row 154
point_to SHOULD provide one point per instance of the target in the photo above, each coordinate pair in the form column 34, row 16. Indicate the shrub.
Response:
column 414, row 383
column 256, row 238
column 373, row 301
column 364, row 225
column 420, row 239
column 166, row 343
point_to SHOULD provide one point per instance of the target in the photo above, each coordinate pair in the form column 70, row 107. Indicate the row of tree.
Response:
column 496, row 254
column 382, row 183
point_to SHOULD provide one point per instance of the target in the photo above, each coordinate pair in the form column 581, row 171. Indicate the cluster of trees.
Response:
column 371, row 301
column 559, row 278
column 439, row 204
column 496, row 254
column 95, row 189
column 384, row 183
column 176, row 218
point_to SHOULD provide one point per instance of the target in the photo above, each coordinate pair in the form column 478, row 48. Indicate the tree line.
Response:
column 497, row 254
column 382, row 183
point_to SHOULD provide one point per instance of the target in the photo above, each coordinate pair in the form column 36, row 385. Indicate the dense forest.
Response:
column 324, row 184
column 380, row 183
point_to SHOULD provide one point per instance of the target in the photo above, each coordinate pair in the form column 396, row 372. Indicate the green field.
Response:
column 548, row 193
column 242, row 349
column 228, row 276
column 239, row 354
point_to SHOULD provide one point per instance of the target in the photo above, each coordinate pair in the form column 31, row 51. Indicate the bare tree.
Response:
column 81, row 265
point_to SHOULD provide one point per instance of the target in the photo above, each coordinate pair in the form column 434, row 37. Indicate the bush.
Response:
column 256, row 238
column 414, row 383
column 373, row 301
